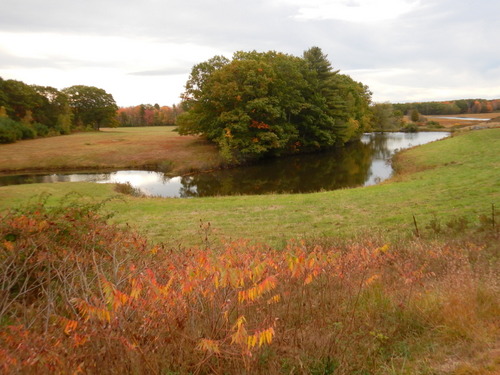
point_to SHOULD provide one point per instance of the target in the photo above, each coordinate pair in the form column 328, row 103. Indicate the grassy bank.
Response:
column 445, row 180
column 158, row 147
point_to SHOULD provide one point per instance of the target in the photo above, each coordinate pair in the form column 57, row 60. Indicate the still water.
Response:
column 362, row 163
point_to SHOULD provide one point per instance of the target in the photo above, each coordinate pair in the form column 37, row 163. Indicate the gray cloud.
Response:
column 10, row 61
column 440, row 41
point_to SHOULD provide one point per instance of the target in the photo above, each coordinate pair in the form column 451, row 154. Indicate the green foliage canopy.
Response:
column 28, row 111
column 270, row 103
column 92, row 106
column 385, row 117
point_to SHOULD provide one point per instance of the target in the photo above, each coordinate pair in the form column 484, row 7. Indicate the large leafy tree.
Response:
column 92, row 106
column 260, row 104
column 19, row 98
column 55, row 110
column 384, row 117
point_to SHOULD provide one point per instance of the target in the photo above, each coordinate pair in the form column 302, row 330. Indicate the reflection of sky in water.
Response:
column 71, row 178
column 150, row 183
column 399, row 141
column 379, row 171
column 380, row 168
column 156, row 184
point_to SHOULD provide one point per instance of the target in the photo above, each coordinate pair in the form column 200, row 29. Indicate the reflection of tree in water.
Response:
column 337, row 169
column 16, row 180
column 378, row 142
column 50, row 178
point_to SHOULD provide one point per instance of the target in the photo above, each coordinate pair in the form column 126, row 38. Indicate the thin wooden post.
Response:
column 416, row 227
column 493, row 215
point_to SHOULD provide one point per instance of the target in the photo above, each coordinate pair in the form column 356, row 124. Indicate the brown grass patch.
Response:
column 158, row 147
column 451, row 123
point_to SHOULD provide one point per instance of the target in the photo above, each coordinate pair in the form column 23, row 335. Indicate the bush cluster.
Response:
column 12, row 131
column 410, row 127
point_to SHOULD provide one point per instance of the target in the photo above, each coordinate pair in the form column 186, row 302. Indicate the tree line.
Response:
column 451, row 107
column 148, row 115
column 30, row 111
column 260, row 104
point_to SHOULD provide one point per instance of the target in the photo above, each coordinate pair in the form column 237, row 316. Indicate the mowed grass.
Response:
column 159, row 147
column 452, row 178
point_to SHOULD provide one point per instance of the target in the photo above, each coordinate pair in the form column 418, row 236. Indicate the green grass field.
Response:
column 448, row 179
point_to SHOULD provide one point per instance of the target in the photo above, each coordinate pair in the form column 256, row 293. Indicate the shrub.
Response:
column 414, row 115
column 12, row 131
column 410, row 127
column 8, row 134
column 55, row 254
column 27, row 132
column 434, row 125
column 41, row 129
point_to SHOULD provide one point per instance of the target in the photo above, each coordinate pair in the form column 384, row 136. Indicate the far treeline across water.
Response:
column 451, row 107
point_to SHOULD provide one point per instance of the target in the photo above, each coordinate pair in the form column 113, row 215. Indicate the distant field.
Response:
column 450, row 123
column 158, row 147
column 473, row 115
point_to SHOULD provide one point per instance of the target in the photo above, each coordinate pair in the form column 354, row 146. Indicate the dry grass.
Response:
column 451, row 124
column 454, row 123
column 149, row 147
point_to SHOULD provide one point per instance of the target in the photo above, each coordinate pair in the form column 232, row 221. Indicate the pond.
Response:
column 362, row 163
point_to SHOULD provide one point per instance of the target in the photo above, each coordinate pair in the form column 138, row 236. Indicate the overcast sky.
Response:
column 142, row 51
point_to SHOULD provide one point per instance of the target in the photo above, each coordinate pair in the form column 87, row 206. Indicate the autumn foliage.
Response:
column 81, row 296
column 148, row 115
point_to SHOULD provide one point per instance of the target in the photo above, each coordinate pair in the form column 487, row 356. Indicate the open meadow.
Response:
column 397, row 278
column 157, row 147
